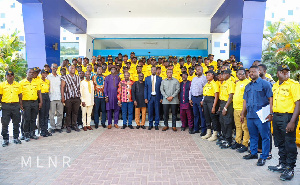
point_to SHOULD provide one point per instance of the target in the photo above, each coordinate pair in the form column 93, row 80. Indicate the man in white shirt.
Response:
column 55, row 100
column 87, row 100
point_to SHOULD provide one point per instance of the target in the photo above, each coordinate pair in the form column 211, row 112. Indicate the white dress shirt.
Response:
column 55, row 82
column 153, row 78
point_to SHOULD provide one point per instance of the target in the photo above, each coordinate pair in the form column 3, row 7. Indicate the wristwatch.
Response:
column 225, row 109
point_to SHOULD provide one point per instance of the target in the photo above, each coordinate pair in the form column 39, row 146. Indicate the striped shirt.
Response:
column 72, row 87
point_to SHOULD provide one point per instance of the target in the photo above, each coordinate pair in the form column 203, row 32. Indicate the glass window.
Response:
column 290, row 12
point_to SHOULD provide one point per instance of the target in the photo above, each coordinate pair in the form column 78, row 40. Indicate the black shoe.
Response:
column 221, row 138
column 76, row 129
column 103, row 125
column 287, row 175
column 33, row 136
column 156, row 128
column 68, row 129
column 182, row 128
column 150, row 127
column 242, row 149
column 52, row 130
column 197, row 131
column 5, row 143
column 220, row 142
column 22, row 137
column 143, row 127
column 191, row 131
column 59, row 130
column 138, row 127
column 225, row 145
column 261, row 162
column 202, row 134
column 44, row 135
column 250, row 156
column 48, row 134
column 27, row 137
column 279, row 168
column 17, row 141
column 124, row 126
column 235, row 146
column 97, row 126
column 130, row 126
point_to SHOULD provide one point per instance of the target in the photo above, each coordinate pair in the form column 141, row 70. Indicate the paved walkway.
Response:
column 129, row 157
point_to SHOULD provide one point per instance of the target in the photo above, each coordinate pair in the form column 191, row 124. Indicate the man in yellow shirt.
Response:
column 44, row 111
column 135, row 76
column 188, row 62
column 227, row 90
column 31, row 92
column 241, row 128
column 11, row 99
column 211, row 61
column 192, row 73
column 286, row 108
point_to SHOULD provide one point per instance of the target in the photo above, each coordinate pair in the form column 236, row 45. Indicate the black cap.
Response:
column 212, row 67
column 175, row 57
column 210, row 71
column 109, row 56
column 183, row 67
column 153, row 58
column 120, row 54
column 46, row 65
column 218, row 72
column 189, row 56
column 9, row 73
column 124, row 67
column 36, row 69
column 283, row 67
column 227, row 71
column 63, row 69
column 192, row 68
column 200, row 57
column 246, row 69
column 210, row 55
column 132, row 53
column 240, row 63
column 45, row 71
column 184, row 73
column 125, row 55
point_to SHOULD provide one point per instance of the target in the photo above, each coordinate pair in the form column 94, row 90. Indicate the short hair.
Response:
column 90, row 65
column 254, row 67
column 263, row 66
column 154, row 66
column 257, row 61
column 86, row 59
column 170, row 70
column 29, row 70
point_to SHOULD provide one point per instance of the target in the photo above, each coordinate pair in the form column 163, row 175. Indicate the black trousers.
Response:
column 31, row 109
column 287, row 148
column 44, row 113
column 212, row 120
column 10, row 111
column 166, row 108
column 79, row 116
column 72, row 106
column 226, row 121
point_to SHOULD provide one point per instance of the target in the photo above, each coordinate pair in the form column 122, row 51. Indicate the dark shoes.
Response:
column 143, row 127
column 150, row 127
column 17, row 141
column 287, row 175
column 124, row 126
column 156, row 128
column 5, row 143
column 225, row 145
column 191, row 131
column 182, row 128
column 202, row 134
column 68, row 129
column 261, row 162
column 130, row 126
column 58, row 130
column 250, row 156
column 174, row 129
column 84, row 129
column 89, row 127
column 76, row 128
column 235, row 146
column 242, row 149
column 33, row 136
column 103, row 125
column 22, row 137
column 138, row 127
column 279, row 168
column 165, row 129
column 52, row 130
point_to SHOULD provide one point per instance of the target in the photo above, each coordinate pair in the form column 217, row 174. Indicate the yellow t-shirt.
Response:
column 10, row 92
column 58, row 70
column 226, row 88
column 285, row 96
column 239, row 93
column 45, row 86
column 30, row 89
column 211, row 88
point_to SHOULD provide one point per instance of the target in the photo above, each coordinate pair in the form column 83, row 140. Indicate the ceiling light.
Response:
column 129, row 11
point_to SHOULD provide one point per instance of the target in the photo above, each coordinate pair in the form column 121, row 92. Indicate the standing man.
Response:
column 153, row 97
column 31, row 92
column 286, row 109
column 55, row 100
column 125, row 100
column 87, row 100
column 138, row 89
column 258, row 94
column 169, row 89
column 242, row 132
column 195, row 98
column 111, row 99
column 11, row 99
column 186, row 112
column 99, row 80
column 44, row 111
column 70, row 95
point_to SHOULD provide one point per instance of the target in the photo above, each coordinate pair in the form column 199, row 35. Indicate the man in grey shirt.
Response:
column 55, row 100
column 169, row 89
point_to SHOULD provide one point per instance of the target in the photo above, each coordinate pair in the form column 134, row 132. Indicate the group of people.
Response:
column 214, row 98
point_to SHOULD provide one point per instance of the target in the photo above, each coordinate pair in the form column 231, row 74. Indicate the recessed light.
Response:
column 129, row 11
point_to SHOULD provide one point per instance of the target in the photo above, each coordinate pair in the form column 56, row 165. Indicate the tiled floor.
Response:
column 129, row 157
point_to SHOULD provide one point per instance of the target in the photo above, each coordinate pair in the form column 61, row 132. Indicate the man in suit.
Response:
column 153, row 97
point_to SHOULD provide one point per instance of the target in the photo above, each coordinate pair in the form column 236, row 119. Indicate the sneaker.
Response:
column 130, row 126
column 124, row 126
column 242, row 149
column 250, row 156
column 287, row 175
column 261, row 162
column 279, row 168
column 22, row 137
column 220, row 142
column 59, row 130
column 235, row 146
column 5, row 143
column 225, row 145
column 17, row 141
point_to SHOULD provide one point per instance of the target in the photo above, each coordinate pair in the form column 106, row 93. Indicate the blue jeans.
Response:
column 198, row 114
column 127, row 107
column 256, row 127
column 153, row 104
column 99, row 104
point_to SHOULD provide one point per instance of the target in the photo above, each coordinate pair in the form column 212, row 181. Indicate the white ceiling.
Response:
column 145, row 8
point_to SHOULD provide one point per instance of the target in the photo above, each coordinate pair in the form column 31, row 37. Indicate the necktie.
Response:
column 153, row 85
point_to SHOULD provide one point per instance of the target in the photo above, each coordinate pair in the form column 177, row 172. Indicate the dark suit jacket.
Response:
column 148, row 88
